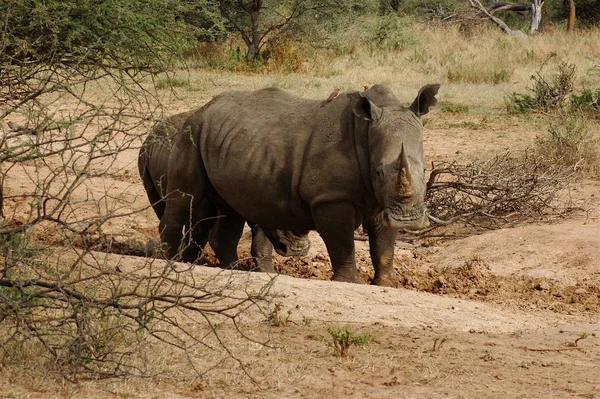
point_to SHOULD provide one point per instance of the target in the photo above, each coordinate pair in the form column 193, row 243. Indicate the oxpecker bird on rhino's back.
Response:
column 287, row 163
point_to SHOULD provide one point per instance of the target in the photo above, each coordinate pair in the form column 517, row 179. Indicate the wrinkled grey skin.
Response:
column 287, row 163
column 153, row 164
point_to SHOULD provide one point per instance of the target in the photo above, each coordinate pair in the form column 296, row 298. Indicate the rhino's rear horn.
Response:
column 405, row 184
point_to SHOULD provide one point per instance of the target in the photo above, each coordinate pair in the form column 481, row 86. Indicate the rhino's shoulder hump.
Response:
column 382, row 96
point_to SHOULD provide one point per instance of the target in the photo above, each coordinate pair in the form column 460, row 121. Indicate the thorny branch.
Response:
column 78, row 312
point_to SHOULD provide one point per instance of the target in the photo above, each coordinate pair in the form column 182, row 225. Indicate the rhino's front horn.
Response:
column 405, row 184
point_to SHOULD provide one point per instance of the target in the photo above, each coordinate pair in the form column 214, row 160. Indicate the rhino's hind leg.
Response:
column 382, row 241
column 225, row 236
column 261, row 249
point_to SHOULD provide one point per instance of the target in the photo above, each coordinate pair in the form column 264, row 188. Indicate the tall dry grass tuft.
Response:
column 570, row 144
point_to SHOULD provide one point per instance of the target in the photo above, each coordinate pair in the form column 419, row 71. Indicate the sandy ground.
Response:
column 509, row 313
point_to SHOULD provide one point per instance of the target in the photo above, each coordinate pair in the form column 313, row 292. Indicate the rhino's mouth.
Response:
column 292, row 245
column 406, row 221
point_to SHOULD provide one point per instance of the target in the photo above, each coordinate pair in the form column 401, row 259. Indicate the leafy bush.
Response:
column 587, row 100
column 83, row 33
column 588, row 12
column 344, row 338
column 547, row 92
column 389, row 34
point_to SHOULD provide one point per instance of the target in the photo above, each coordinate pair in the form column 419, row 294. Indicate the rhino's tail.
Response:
column 151, row 190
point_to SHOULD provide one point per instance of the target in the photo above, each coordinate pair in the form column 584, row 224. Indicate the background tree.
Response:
column 255, row 20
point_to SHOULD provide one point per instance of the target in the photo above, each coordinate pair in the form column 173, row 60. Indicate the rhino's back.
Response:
column 153, row 159
column 262, row 150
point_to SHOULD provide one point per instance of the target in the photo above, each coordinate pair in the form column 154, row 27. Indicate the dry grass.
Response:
column 482, row 68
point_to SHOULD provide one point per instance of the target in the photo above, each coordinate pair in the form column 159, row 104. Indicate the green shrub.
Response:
column 547, row 92
column 389, row 34
column 519, row 103
column 344, row 338
column 587, row 100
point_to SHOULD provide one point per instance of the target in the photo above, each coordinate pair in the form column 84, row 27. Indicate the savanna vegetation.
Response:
column 82, row 82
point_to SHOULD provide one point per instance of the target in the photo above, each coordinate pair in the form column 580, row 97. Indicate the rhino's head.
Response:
column 289, row 243
column 397, row 165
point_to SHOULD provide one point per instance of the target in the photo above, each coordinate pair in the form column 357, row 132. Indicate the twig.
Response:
column 571, row 348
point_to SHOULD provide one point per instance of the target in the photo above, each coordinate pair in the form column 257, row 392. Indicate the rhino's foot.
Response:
column 151, row 248
column 264, row 266
column 348, row 278
column 386, row 281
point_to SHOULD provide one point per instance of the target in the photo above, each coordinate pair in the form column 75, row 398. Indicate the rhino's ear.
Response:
column 363, row 107
column 425, row 99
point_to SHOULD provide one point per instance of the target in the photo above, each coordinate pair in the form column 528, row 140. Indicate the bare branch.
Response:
column 477, row 4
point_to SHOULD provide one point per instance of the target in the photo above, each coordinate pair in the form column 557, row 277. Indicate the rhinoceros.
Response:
column 205, row 215
column 288, row 163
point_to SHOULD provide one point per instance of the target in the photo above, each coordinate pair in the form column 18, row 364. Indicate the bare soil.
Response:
column 508, row 313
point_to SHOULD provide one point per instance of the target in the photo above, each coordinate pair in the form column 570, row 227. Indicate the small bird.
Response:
column 332, row 96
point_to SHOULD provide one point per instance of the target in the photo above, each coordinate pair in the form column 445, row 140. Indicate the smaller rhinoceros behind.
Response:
column 153, row 161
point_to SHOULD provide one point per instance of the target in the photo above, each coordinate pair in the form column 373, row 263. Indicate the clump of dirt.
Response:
column 318, row 267
column 474, row 280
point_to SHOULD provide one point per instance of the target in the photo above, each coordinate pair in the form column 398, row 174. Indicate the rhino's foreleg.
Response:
column 382, row 241
column 335, row 223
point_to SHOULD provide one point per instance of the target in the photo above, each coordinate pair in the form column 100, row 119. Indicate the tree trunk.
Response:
column 254, row 45
column 536, row 15
column 571, row 21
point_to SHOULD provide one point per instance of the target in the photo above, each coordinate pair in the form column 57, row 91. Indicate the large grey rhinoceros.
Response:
column 288, row 163
column 153, row 162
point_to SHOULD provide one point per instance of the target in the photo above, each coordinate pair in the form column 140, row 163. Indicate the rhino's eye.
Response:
column 379, row 172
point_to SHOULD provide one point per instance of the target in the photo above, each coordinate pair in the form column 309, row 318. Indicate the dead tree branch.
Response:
column 477, row 4
column 505, row 190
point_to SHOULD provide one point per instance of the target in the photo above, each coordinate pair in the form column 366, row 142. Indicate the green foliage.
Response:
column 389, row 34
column 437, row 9
column 587, row 100
column 588, row 12
column 204, row 18
column 547, row 93
column 521, row 103
column 138, row 33
column 171, row 82
column 344, row 338
column 276, row 319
